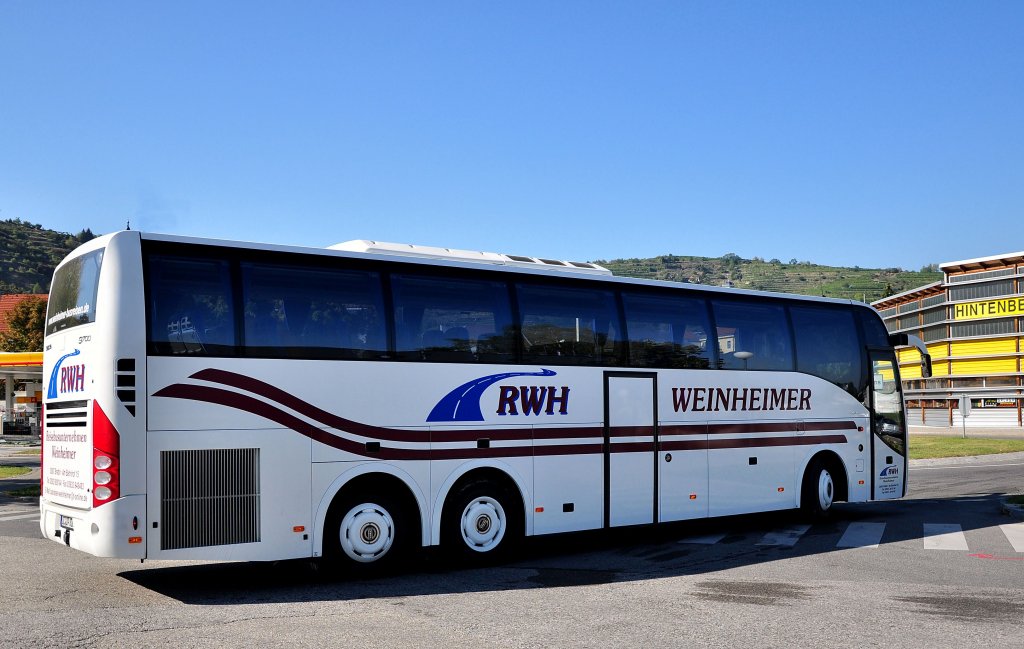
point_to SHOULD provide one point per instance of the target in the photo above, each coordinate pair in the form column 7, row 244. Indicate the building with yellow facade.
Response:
column 972, row 322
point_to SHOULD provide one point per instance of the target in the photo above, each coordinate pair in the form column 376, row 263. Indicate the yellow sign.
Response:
column 1010, row 306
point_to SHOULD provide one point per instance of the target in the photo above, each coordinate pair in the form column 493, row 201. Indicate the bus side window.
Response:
column 452, row 320
column 191, row 310
column 827, row 345
column 569, row 326
column 752, row 335
column 667, row 332
column 306, row 312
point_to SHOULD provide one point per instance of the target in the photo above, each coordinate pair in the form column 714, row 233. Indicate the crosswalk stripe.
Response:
column 862, row 535
column 707, row 539
column 19, row 517
column 787, row 536
column 944, row 536
column 1015, row 535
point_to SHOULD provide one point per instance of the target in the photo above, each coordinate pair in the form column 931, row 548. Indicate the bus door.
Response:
column 630, row 441
column 889, row 430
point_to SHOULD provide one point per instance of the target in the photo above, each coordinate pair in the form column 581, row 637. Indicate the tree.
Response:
column 25, row 322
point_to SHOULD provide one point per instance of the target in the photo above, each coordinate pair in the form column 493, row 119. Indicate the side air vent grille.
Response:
column 209, row 497
column 125, row 383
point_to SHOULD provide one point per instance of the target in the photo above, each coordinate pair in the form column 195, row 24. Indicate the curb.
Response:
column 1014, row 511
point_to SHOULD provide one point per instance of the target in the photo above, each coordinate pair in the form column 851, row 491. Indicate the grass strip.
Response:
column 13, row 471
column 924, row 447
column 30, row 451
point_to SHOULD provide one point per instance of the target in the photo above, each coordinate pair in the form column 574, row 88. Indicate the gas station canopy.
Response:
column 21, row 364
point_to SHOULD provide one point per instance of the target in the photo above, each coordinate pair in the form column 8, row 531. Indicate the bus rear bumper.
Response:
column 115, row 529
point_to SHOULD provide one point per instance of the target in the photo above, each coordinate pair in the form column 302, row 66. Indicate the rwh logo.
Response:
column 532, row 398
column 78, row 381
column 72, row 378
column 463, row 403
column 889, row 472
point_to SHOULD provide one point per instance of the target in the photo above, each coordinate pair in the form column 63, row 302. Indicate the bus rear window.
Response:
column 73, row 293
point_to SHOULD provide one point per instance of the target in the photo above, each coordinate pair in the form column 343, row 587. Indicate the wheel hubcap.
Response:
column 367, row 532
column 825, row 490
column 483, row 524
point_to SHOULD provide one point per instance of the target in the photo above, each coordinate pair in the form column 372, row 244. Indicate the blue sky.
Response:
column 859, row 133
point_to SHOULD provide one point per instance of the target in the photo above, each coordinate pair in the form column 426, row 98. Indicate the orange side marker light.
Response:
column 134, row 539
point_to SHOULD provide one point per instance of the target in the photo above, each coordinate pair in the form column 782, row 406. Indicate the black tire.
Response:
column 818, row 490
column 482, row 522
column 368, row 533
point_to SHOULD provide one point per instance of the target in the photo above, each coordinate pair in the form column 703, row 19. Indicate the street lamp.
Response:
column 744, row 356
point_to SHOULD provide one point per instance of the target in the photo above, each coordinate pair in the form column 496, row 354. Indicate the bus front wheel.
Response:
column 818, row 490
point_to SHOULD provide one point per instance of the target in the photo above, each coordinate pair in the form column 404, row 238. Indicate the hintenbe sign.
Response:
column 1000, row 308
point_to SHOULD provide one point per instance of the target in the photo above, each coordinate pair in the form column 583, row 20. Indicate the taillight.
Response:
column 106, row 451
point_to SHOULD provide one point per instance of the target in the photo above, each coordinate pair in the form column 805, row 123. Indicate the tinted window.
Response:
column 667, row 331
column 569, row 326
column 452, row 320
column 827, row 345
column 73, row 293
column 875, row 334
column 752, row 335
column 312, row 312
column 190, row 306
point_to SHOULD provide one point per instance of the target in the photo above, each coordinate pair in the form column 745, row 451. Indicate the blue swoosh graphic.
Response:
column 51, row 390
column 463, row 403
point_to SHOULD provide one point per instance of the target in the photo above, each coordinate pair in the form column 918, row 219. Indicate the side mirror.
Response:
column 907, row 340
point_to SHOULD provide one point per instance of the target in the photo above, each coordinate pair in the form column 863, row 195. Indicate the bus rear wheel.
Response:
column 481, row 523
column 367, row 533
column 818, row 490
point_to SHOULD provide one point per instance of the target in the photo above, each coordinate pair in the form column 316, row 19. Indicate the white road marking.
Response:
column 1015, row 535
column 862, row 535
column 944, row 536
column 787, row 536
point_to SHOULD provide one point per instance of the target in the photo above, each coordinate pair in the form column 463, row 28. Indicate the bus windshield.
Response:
column 73, row 293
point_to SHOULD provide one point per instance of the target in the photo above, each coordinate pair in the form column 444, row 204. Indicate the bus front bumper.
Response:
column 115, row 529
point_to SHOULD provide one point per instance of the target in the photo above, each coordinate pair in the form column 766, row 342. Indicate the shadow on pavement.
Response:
column 577, row 559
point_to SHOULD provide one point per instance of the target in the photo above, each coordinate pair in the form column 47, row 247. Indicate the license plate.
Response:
column 67, row 522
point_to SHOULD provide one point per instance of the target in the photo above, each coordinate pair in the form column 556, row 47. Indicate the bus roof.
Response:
column 454, row 258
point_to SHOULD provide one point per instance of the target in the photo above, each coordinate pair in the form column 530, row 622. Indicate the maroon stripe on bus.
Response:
column 630, row 431
column 331, row 420
column 254, row 406
column 683, row 429
column 794, row 440
column 268, row 411
column 288, row 400
column 569, row 449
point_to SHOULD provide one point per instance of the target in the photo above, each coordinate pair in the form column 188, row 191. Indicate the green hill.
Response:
column 804, row 277
column 29, row 253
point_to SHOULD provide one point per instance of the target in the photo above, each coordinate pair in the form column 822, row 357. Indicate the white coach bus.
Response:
column 236, row 401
